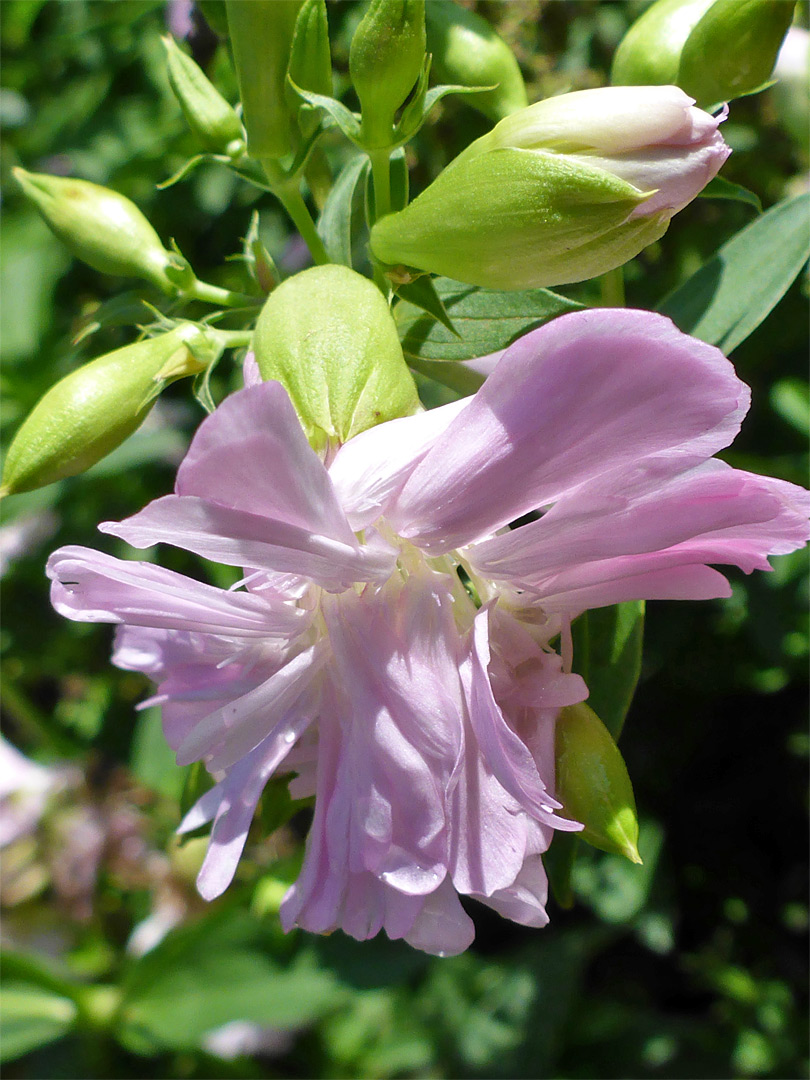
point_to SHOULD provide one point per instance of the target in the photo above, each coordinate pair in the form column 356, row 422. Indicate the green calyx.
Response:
column 210, row 117
column 715, row 50
column 101, row 227
column 517, row 219
column 593, row 784
column 328, row 337
column 93, row 409
column 386, row 58
column 466, row 51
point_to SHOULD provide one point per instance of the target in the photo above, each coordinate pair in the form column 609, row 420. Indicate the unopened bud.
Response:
column 562, row 191
column 715, row 50
column 310, row 65
column 467, row 52
column 386, row 57
column 261, row 34
column 93, row 409
column 592, row 782
column 327, row 335
column 101, row 227
column 212, row 120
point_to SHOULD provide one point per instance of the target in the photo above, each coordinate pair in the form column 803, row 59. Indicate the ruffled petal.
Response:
column 524, row 901
column 238, row 538
column 586, row 394
column 252, row 454
column 442, row 928
column 370, row 469
column 89, row 586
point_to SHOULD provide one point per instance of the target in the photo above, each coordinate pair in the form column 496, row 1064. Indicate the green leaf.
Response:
column 720, row 188
column 346, row 120
column 422, row 293
column 486, row 320
column 607, row 654
column 32, row 1017
column 335, row 222
column 153, row 761
column 730, row 295
column 454, row 376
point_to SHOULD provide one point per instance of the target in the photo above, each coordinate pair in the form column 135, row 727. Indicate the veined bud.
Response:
column 310, row 65
column 467, row 52
column 209, row 116
column 261, row 34
column 101, row 227
column 715, row 50
column 592, row 782
column 328, row 337
column 385, row 59
column 562, row 191
column 93, row 409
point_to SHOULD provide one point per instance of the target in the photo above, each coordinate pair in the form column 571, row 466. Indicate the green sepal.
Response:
column 258, row 259
column 328, row 337
column 593, row 784
column 210, row 117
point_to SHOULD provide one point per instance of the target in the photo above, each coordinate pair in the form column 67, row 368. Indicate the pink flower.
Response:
column 355, row 654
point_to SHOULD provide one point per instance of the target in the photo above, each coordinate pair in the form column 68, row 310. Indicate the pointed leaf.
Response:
column 345, row 119
column 720, row 188
column 422, row 293
column 335, row 222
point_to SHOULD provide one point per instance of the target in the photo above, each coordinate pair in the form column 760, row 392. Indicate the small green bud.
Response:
column 310, row 65
column 386, row 57
column 93, row 409
column 327, row 335
column 467, row 52
column 212, row 120
column 261, row 33
column 101, row 227
column 592, row 782
column 715, row 50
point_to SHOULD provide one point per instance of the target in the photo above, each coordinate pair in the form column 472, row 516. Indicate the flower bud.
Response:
column 567, row 189
column 328, row 337
column 101, row 227
column 261, row 34
column 212, row 120
column 467, row 52
column 385, row 59
column 93, row 409
column 592, row 782
column 715, row 50
column 310, row 65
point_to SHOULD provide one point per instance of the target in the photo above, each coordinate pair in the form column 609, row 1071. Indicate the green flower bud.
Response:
column 567, row 189
column 310, row 65
column 93, row 409
column 327, row 335
column 261, row 33
column 212, row 120
column 101, row 227
column 592, row 782
column 715, row 50
column 385, row 59
column 467, row 52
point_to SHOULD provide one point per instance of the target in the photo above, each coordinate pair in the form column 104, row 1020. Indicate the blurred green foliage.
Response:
column 690, row 966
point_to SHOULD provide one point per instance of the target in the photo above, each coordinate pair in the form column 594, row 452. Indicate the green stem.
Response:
column 381, row 175
column 286, row 190
column 213, row 294
column 612, row 284
column 235, row 339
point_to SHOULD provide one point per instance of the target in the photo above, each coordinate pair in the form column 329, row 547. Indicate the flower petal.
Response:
column 370, row 469
column 252, row 454
column 89, row 586
column 238, row 538
column 586, row 394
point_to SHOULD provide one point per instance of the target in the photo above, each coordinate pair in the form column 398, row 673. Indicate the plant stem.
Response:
column 235, row 339
column 612, row 285
column 381, row 175
column 213, row 294
column 293, row 202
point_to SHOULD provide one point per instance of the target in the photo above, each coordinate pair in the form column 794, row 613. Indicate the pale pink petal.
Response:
column 683, row 582
column 272, row 708
column 251, row 376
column 238, row 538
column 504, row 752
column 586, row 394
column 252, row 454
column 442, row 928
column 92, row 587
column 738, row 516
column 525, row 900
column 370, row 469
